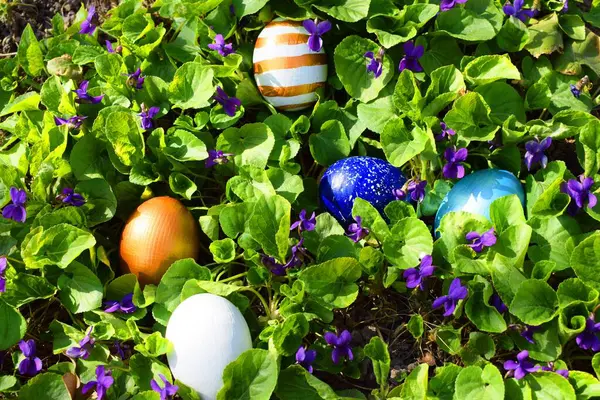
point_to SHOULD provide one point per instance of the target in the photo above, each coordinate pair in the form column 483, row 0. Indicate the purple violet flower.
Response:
column 72, row 123
column 147, row 115
column 416, row 277
column 305, row 224
column 535, row 152
column 88, row 26
column 565, row 6
column 216, row 157
column 340, row 344
column 219, row 45
column 456, row 292
column 124, row 306
column 576, row 92
column 498, row 304
column 272, row 264
column 453, row 168
column 356, row 231
column 446, row 5
column 399, row 194
column 16, row 211
column 580, row 193
column 411, row 57
column 83, row 97
column 85, row 346
column 528, row 332
column 69, row 197
column 136, row 79
column 522, row 366
column 562, row 372
column 417, row 190
column 103, row 382
column 119, row 349
column 30, row 365
column 230, row 104
column 376, row 64
column 168, row 391
column 3, row 268
column 588, row 339
column 298, row 254
column 306, row 358
column 479, row 242
column 516, row 10
column 446, row 132
column 316, row 30
column 109, row 46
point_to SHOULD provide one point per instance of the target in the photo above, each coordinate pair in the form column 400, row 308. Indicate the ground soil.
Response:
column 39, row 13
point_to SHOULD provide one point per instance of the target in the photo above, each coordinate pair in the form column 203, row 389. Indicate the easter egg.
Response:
column 475, row 193
column 369, row 178
column 286, row 70
column 160, row 231
column 207, row 332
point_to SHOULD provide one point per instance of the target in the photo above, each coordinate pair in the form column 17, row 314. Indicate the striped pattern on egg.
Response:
column 286, row 70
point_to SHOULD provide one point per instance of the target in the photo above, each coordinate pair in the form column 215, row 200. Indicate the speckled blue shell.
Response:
column 475, row 193
column 369, row 178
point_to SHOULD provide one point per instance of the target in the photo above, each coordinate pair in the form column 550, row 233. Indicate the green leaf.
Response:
column 47, row 386
column 545, row 36
column 443, row 383
column 88, row 158
column 247, row 7
column 538, row 96
column 585, row 261
column 377, row 351
column 183, row 146
column 506, row 212
column 415, row 385
column 513, row 36
column 535, row 302
column 251, row 144
column 192, row 86
column 253, row 376
column 79, row 289
column 13, row 325
column 399, row 144
column 465, row 24
column 182, row 185
column 572, row 25
column 123, row 133
column 345, row 10
column 144, row 370
column 350, row 68
column 544, row 197
column 446, row 85
column 377, row 113
column 59, row 245
column 574, row 290
column 223, row 251
column 585, row 385
column 415, row 326
column 288, row 336
column 578, row 54
column 484, row 316
column 331, row 144
column 442, row 50
column 407, row 243
column 169, row 289
column 480, row 383
column 295, row 383
column 370, row 218
column 269, row 225
column 333, row 281
column 550, row 237
column 486, row 69
column 403, row 26
column 29, row 53
column 448, row 339
column 550, row 386
column 101, row 204
column 470, row 118
column 503, row 101
column 589, row 140
column 25, row 102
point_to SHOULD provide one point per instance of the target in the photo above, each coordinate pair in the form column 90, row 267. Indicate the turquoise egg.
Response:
column 475, row 193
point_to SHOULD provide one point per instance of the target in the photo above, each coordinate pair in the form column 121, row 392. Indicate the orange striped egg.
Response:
column 286, row 70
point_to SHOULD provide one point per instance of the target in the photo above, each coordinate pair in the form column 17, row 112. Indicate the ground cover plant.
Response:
column 110, row 109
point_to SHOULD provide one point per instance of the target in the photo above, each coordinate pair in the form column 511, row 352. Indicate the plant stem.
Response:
column 233, row 278
column 261, row 298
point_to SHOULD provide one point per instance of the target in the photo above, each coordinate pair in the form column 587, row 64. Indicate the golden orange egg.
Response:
column 160, row 232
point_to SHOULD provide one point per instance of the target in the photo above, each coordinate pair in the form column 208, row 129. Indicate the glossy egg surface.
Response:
column 369, row 178
column 286, row 70
column 207, row 332
column 475, row 193
column 159, row 232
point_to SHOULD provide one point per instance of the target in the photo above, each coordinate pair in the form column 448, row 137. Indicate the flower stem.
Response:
column 233, row 278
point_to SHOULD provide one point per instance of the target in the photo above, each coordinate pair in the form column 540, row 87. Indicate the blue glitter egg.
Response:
column 475, row 193
column 369, row 178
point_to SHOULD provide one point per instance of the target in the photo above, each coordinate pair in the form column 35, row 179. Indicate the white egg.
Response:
column 207, row 332
column 287, row 72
